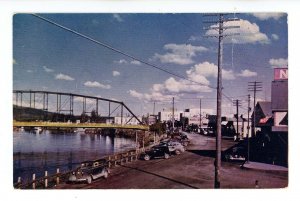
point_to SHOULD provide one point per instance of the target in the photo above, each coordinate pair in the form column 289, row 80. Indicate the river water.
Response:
column 39, row 152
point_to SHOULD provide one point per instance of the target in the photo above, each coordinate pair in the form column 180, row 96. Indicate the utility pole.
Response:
column 200, row 114
column 255, row 87
column 248, row 129
column 237, row 104
column 218, row 26
column 173, row 119
column 154, row 108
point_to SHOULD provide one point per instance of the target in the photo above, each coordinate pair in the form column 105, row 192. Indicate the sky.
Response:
column 46, row 57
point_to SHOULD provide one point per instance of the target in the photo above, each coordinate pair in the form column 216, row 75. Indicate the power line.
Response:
column 128, row 55
column 117, row 50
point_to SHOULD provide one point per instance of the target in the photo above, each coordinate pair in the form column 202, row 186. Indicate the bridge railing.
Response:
column 77, row 125
column 52, row 181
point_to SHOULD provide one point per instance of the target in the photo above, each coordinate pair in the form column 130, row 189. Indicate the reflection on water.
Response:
column 36, row 153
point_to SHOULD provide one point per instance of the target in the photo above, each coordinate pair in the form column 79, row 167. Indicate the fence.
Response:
column 54, row 180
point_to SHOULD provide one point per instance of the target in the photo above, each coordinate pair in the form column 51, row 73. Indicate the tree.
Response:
column 84, row 117
column 158, row 128
column 94, row 116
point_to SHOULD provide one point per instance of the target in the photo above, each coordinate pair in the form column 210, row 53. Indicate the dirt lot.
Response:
column 191, row 169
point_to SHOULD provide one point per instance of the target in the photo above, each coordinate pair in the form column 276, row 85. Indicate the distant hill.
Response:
column 30, row 114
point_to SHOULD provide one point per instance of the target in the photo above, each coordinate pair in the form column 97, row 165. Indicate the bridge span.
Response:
column 63, row 103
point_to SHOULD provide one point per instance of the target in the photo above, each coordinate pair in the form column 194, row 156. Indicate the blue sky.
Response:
column 49, row 58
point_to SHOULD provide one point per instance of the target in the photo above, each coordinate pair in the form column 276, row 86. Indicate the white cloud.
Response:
column 48, row 70
column 118, row 17
column 136, row 94
column 248, row 33
column 121, row 61
column 171, row 85
column 115, row 73
column 135, row 62
column 87, row 100
column 247, row 73
column 266, row 16
column 181, row 54
column 96, row 85
column 61, row 76
column 200, row 72
column 154, row 96
column 195, row 38
column 281, row 62
column 115, row 99
column 275, row 37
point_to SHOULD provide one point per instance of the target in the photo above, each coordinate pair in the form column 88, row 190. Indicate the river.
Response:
column 46, row 151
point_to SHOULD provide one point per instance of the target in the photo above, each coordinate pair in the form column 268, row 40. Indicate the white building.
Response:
column 193, row 115
column 166, row 115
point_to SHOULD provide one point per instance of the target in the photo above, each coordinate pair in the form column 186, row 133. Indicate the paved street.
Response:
column 192, row 169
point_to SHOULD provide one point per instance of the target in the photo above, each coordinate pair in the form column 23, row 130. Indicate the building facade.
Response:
column 279, row 96
column 167, row 115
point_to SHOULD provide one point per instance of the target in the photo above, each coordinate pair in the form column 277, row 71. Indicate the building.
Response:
column 240, row 130
column 152, row 119
column 193, row 116
column 279, row 95
column 271, row 122
column 167, row 115
column 263, row 116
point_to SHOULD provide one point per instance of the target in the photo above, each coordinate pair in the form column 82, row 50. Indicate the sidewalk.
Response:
column 263, row 166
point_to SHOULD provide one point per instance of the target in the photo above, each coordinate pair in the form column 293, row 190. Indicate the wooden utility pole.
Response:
column 173, row 119
column 218, row 26
column 237, row 104
column 200, row 114
column 255, row 87
column 248, row 129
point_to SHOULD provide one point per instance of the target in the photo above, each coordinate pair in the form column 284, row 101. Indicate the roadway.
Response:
column 192, row 169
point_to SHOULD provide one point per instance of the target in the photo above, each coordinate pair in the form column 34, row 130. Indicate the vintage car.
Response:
column 236, row 154
column 173, row 146
column 156, row 152
column 89, row 171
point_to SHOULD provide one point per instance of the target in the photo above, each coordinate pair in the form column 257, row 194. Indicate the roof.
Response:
column 265, row 107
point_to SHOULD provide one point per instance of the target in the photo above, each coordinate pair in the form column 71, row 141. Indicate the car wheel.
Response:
column 177, row 152
column 89, row 180
column 167, row 156
column 105, row 174
column 146, row 157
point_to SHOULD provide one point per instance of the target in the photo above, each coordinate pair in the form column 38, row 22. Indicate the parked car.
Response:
column 183, row 139
column 173, row 146
column 90, row 171
column 156, row 152
column 236, row 154
column 203, row 131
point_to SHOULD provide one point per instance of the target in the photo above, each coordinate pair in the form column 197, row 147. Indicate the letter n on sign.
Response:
column 280, row 73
